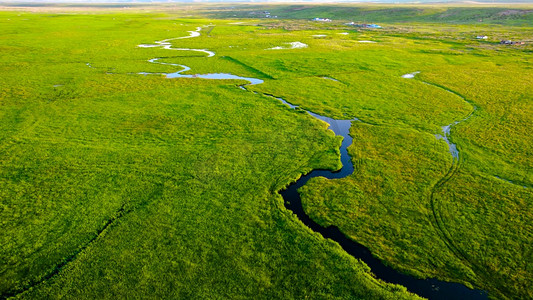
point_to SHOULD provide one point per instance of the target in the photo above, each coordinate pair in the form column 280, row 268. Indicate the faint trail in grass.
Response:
column 437, row 219
column 432, row 288
column 121, row 212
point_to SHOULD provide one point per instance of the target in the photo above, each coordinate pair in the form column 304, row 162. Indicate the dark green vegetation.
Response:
column 462, row 14
column 117, row 185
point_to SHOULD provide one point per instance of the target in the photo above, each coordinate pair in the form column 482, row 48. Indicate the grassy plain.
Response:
column 117, row 185
column 474, row 226
column 127, row 185
column 442, row 13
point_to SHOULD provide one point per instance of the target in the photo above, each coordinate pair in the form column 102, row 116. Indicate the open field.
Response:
column 457, row 13
column 120, row 185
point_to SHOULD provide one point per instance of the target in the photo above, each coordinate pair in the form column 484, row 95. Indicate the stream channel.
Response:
column 428, row 288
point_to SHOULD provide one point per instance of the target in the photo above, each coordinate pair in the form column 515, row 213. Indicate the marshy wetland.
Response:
column 134, row 168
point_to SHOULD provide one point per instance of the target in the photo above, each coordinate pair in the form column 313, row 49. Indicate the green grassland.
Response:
column 484, row 222
column 433, row 13
column 122, row 185
column 116, row 185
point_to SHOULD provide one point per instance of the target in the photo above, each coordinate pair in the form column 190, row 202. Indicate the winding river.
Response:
column 429, row 288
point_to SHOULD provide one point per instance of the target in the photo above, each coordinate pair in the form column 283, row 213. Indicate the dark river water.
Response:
column 429, row 288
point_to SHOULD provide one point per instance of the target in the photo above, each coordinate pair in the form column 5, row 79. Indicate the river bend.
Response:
column 429, row 288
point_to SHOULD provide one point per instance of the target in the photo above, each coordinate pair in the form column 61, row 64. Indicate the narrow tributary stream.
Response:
column 445, row 136
column 429, row 288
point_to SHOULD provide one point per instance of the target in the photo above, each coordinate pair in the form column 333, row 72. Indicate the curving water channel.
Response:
column 445, row 136
column 166, row 44
column 429, row 288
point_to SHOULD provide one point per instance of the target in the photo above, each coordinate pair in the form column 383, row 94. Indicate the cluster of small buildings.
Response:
column 509, row 42
column 502, row 42
column 364, row 25
column 265, row 14
column 268, row 15
column 321, row 20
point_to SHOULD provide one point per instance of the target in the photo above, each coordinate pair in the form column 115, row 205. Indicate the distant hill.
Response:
column 386, row 13
column 508, row 12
